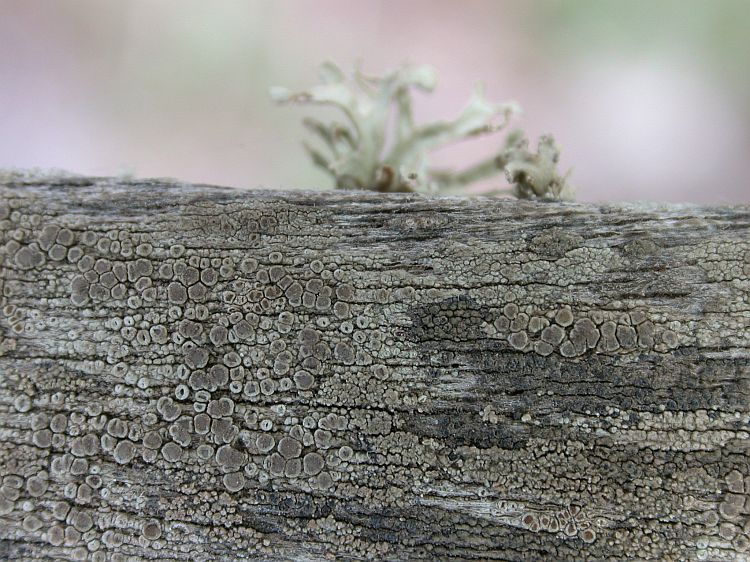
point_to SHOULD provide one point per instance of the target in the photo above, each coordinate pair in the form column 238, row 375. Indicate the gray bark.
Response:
column 198, row 373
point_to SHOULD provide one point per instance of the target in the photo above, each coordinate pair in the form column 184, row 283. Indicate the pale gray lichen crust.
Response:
column 196, row 373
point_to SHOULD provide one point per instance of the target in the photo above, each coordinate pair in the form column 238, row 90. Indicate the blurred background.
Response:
column 648, row 99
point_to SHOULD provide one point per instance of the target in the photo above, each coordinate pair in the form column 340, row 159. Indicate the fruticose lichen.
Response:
column 358, row 156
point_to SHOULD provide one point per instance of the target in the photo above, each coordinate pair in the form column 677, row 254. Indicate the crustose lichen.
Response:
column 358, row 158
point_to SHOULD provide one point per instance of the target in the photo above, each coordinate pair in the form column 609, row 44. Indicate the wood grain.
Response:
column 191, row 372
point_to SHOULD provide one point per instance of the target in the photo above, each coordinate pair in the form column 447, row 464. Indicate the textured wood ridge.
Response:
column 198, row 373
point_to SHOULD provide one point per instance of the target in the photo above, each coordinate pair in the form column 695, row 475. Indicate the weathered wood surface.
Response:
column 198, row 373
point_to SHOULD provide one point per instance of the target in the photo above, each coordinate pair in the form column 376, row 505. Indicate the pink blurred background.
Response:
column 649, row 100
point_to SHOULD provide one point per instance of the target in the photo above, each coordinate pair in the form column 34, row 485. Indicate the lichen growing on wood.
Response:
column 274, row 376
column 358, row 156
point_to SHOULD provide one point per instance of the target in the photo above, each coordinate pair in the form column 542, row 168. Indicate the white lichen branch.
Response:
column 356, row 157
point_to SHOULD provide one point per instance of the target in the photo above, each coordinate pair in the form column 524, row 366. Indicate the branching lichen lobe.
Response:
column 274, row 376
column 358, row 156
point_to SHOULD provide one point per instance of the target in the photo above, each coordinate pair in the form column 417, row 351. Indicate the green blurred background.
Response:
column 649, row 100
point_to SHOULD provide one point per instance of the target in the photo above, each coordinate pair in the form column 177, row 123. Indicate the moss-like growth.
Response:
column 357, row 158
